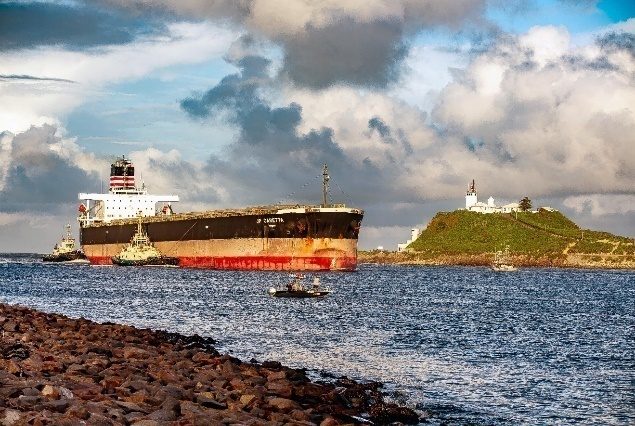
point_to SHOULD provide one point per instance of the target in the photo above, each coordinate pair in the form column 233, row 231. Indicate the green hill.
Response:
column 542, row 238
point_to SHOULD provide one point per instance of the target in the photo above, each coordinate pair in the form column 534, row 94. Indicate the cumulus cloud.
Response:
column 545, row 116
column 601, row 204
column 272, row 156
column 37, row 101
column 39, row 170
column 327, row 42
column 74, row 25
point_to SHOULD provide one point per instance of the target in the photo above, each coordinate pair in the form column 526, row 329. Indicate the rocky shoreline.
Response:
column 599, row 261
column 64, row 371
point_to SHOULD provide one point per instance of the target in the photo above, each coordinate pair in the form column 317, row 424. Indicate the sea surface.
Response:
column 460, row 345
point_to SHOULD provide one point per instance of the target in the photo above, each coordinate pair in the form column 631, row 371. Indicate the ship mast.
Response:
column 325, row 185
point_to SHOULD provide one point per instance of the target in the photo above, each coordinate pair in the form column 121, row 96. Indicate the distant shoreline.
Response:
column 591, row 261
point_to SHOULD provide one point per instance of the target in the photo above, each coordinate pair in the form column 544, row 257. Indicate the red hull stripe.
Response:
column 271, row 263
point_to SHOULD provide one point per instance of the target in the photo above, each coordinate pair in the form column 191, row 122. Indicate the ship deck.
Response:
column 231, row 212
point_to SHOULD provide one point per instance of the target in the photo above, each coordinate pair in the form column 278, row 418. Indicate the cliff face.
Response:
column 544, row 238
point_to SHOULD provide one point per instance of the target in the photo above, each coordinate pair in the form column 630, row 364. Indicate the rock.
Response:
column 206, row 399
column 30, row 392
column 280, row 387
column 79, row 412
column 50, row 392
column 219, row 383
column 135, row 416
column 100, row 351
column 130, row 406
column 171, row 404
column 245, row 400
column 57, row 406
column 64, row 392
column 11, row 326
column 163, row 416
column 14, row 350
column 165, row 376
column 13, row 367
column 99, row 420
column 27, row 402
column 10, row 417
column 300, row 416
column 146, row 422
column 329, row 421
column 283, row 404
column 385, row 413
column 276, row 375
column 132, row 352
column 272, row 365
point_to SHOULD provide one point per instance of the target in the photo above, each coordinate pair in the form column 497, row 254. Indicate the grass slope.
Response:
column 544, row 233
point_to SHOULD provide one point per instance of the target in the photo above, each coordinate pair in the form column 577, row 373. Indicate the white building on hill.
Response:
column 472, row 204
column 414, row 234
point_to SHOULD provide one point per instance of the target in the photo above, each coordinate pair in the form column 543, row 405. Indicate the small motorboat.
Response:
column 65, row 251
column 295, row 289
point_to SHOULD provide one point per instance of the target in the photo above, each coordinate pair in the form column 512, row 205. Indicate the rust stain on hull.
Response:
column 308, row 254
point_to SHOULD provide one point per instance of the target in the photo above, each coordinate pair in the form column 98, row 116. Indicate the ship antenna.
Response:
column 325, row 185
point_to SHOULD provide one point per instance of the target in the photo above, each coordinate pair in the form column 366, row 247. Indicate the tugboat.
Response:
column 297, row 290
column 65, row 250
column 141, row 252
column 501, row 261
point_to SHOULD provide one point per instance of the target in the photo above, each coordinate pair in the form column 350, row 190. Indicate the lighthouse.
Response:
column 470, row 196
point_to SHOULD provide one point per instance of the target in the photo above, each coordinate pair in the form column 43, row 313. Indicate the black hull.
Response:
column 66, row 257
column 153, row 261
column 300, row 294
column 334, row 225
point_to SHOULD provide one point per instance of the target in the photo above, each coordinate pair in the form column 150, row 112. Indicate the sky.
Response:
column 230, row 103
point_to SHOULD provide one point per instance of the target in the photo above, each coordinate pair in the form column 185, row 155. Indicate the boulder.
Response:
column 10, row 417
column 206, row 399
column 280, row 387
column 283, row 404
column 50, row 392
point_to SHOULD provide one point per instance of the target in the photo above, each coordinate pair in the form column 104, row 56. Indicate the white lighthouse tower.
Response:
column 470, row 196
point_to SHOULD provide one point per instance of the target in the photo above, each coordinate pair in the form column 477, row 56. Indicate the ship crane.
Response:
column 325, row 185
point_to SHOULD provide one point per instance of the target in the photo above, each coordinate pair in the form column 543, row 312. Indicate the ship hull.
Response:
column 294, row 242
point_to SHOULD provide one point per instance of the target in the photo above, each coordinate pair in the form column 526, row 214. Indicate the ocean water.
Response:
column 462, row 345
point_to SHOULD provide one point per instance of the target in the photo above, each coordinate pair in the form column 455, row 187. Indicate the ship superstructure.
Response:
column 123, row 200
column 277, row 237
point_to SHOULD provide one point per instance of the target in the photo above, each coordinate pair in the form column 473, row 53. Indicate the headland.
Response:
column 542, row 238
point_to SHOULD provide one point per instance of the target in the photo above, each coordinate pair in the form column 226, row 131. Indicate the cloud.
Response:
column 328, row 42
column 31, row 77
column 601, row 204
column 30, row 24
column 40, row 171
column 274, row 153
column 38, row 101
column 546, row 124
column 365, row 54
column 617, row 41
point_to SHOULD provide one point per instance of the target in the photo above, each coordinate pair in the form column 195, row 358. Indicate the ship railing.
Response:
column 257, row 210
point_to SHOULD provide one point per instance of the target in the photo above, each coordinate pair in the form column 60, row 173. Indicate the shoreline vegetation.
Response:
column 535, row 239
column 65, row 371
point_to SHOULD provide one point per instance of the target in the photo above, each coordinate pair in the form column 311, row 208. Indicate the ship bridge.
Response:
column 123, row 199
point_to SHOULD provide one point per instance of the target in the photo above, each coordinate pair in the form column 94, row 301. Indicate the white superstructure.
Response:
column 123, row 199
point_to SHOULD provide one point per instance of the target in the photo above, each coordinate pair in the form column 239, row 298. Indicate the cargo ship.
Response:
column 278, row 237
